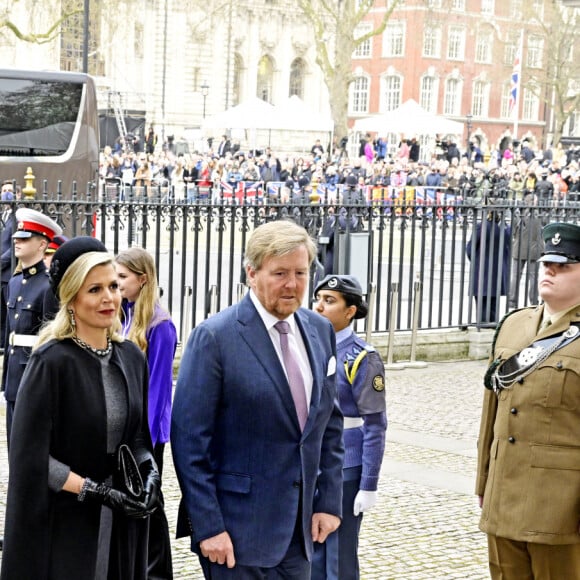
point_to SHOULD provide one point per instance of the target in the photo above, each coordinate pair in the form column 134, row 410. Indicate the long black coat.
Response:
column 489, row 252
column 61, row 411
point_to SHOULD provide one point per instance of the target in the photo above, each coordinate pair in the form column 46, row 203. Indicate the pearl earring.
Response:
column 71, row 314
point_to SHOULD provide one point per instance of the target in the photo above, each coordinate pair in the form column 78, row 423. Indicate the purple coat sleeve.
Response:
column 162, row 341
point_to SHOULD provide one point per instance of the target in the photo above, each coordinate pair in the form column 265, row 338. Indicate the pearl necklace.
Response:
column 98, row 351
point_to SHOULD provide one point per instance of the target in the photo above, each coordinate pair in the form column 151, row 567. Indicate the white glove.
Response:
column 364, row 501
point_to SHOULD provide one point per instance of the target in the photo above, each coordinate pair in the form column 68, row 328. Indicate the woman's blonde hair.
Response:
column 72, row 281
column 140, row 262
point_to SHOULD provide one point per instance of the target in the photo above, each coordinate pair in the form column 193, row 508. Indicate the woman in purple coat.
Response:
column 149, row 325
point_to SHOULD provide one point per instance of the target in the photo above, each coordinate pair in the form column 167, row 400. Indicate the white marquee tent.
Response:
column 409, row 119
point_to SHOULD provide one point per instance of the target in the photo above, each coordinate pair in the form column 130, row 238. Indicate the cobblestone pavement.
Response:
column 425, row 525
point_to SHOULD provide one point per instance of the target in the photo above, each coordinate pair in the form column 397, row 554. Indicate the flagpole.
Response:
column 518, row 73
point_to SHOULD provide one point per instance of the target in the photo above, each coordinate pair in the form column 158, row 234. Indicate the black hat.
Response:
column 344, row 284
column 351, row 180
column 68, row 253
column 303, row 182
column 562, row 243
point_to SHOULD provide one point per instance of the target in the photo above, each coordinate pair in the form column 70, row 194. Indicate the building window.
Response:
column 394, row 39
column 359, row 96
column 392, row 94
column 364, row 49
column 483, row 47
column 510, row 51
column 480, row 99
column 516, row 9
column 434, row 3
column 265, row 79
column 428, row 95
column 297, row 75
column 452, row 104
column 237, row 80
column 432, row 42
column 538, row 9
column 531, row 106
column 535, row 51
column 488, row 7
column 456, row 46
column 458, row 5
column 505, row 112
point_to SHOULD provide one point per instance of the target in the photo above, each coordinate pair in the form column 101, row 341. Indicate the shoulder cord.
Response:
column 351, row 372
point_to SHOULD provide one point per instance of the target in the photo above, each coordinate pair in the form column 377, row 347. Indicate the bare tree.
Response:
column 555, row 81
column 335, row 24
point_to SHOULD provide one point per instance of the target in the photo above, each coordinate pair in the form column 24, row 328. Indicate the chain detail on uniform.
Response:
column 351, row 371
column 507, row 381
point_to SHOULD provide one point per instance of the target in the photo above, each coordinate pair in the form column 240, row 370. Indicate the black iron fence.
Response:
column 411, row 248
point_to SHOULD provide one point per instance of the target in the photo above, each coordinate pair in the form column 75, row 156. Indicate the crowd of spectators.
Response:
column 552, row 174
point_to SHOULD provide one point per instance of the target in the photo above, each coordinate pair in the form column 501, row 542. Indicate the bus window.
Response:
column 49, row 122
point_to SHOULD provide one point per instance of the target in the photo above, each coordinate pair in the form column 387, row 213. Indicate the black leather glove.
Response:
column 113, row 498
column 151, row 485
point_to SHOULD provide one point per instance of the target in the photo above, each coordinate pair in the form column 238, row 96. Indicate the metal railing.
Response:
column 414, row 247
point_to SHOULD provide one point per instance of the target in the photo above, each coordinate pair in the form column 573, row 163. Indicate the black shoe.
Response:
column 1, row 542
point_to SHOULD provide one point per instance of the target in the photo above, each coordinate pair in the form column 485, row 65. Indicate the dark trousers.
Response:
column 159, row 565
column 294, row 565
column 337, row 558
column 9, row 415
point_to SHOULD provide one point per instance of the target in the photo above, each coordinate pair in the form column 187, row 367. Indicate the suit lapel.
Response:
column 254, row 334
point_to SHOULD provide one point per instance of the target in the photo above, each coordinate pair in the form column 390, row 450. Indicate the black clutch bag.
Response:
column 127, row 476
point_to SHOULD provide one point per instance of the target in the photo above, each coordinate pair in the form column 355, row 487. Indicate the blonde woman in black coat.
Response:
column 84, row 393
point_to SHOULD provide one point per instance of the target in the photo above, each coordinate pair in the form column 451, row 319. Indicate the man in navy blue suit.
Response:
column 260, row 474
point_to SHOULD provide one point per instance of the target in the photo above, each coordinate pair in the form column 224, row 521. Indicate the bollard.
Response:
column 391, row 366
column 187, row 293
column 413, row 363
column 371, row 302
column 213, row 306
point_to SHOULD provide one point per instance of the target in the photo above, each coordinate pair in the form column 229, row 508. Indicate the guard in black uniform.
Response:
column 25, row 299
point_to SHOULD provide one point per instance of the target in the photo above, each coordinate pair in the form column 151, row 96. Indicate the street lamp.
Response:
column 468, row 118
column 204, row 92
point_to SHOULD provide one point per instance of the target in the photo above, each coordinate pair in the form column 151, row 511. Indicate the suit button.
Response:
column 521, row 380
column 513, row 411
column 512, row 439
column 296, row 484
column 559, row 365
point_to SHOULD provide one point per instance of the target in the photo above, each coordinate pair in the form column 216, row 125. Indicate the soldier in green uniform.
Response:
column 528, row 476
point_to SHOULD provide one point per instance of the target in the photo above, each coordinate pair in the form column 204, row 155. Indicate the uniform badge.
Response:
column 32, row 271
column 333, row 283
column 556, row 239
column 379, row 383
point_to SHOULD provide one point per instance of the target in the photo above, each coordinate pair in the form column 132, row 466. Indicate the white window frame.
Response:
column 456, row 43
column 428, row 94
column 488, row 7
column 392, row 92
column 535, row 54
column 432, row 39
column 515, row 12
column 458, row 5
column 452, row 100
column 480, row 98
column 505, row 101
column 530, row 106
column 484, row 47
column 394, row 38
column 365, row 49
column 359, row 95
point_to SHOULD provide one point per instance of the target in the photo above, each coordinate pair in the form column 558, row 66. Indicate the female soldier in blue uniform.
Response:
column 360, row 383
